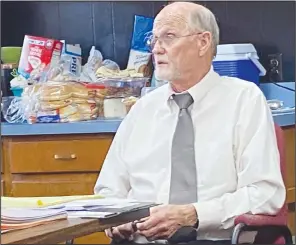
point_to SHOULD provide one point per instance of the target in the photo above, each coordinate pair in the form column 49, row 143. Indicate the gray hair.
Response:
column 204, row 20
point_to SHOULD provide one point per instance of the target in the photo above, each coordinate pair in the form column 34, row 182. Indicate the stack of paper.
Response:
column 20, row 218
column 35, row 202
column 101, row 208
column 24, row 212
column 98, row 208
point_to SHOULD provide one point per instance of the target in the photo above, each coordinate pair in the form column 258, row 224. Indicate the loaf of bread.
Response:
column 68, row 111
column 80, row 91
column 53, row 105
column 52, row 91
column 87, row 109
column 83, row 101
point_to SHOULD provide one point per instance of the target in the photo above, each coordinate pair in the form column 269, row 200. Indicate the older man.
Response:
column 203, row 145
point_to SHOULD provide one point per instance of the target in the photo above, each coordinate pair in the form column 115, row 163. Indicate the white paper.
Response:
column 106, row 202
column 87, row 214
column 27, row 214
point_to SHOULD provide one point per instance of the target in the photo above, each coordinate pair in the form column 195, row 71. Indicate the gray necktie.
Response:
column 183, row 188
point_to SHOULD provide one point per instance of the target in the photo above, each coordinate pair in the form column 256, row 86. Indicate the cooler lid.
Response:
column 237, row 48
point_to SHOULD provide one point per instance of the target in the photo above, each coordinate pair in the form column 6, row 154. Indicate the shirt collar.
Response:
column 199, row 90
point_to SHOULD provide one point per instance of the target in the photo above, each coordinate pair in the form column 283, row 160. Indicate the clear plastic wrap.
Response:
column 58, row 96
column 12, row 109
column 61, row 72
column 117, row 96
column 124, row 87
column 93, row 63
column 53, row 102
column 129, row 102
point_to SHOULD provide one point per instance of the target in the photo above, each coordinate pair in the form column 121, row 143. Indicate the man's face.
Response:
column 175, row 46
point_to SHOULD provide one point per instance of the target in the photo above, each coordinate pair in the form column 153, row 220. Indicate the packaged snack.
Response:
column 56, row 115
column 129, row 102
column 56, row 102
column 93, row 63
column 38, row 53
column 83, row 101
column 53, row 105
column 90, row 109
column 79, row 90
column 114, row 108
column 140, row 54
column 71, row 56
column 52, row 91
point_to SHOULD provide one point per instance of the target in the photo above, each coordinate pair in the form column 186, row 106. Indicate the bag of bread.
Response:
column 58, row 115
column 93, row 63
column 53, row 91
column 87, row 108
column 83, row 101
column 41, row 100
column 79, row 90
column 99, row 88
column 53, row 105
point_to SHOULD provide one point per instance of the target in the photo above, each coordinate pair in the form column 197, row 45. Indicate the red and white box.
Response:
column 38, row 53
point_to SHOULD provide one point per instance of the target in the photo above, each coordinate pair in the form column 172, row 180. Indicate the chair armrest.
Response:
column 261, row 220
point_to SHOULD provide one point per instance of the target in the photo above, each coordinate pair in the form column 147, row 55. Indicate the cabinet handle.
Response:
column 70, row 157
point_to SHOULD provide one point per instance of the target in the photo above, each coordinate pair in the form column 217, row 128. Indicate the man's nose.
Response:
column 158, row 49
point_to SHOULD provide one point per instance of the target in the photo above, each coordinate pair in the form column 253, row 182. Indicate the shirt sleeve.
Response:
column 113, row 180
column 260, row 187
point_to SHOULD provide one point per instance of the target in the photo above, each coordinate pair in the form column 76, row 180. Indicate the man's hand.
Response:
column 165, row 220
column 121, row 232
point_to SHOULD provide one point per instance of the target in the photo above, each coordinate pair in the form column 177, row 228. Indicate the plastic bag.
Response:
column 140, row 53
column 109, row 64
column 55, row 102
column 12, row 109
column 59, row 73
column 93, row 63
column 71, row 58
column 129, row 102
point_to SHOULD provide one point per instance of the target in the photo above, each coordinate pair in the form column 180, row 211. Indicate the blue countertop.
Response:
column 93, row 127
column 270, row 90
column 87, row 127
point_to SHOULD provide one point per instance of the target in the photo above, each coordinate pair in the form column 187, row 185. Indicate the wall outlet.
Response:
column 275, row 69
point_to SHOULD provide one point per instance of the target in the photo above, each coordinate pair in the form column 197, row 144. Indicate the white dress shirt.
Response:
column 237, row 159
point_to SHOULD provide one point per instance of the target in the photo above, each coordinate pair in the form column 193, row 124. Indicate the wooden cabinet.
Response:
column 57, row 165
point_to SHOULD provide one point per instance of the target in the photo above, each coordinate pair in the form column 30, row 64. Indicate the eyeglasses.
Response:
column 165, row 40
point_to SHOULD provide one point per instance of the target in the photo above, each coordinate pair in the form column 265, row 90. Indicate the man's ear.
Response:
column 205, row 41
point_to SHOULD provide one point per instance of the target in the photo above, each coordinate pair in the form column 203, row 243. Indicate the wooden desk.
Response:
column 55, row 232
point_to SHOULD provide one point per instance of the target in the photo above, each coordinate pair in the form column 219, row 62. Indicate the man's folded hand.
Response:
column 121, row 232
column 165, row 220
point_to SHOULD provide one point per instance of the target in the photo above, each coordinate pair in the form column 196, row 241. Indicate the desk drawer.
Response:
column 58, row 154
column 33, row 185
